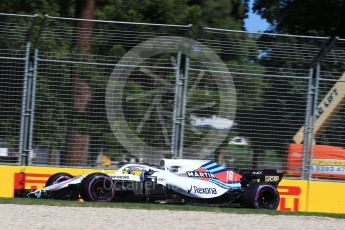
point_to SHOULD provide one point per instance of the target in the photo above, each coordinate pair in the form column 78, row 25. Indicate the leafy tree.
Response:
column 63, row 8
column 307, row 17
column 221, row 13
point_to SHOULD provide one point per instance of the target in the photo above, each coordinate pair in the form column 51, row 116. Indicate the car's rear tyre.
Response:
column 97, row 187
column 65, row 193
column 261, row 196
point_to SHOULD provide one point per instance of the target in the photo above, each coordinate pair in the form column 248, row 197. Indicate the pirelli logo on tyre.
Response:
column 271, row 178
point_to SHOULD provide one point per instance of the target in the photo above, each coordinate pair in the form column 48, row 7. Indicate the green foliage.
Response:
column 50, row 110
column 220, row 13
column 117, row 51
column 307, row 17
column 64, row 8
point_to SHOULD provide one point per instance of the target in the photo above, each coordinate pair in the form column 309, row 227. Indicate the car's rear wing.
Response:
column 266, row 175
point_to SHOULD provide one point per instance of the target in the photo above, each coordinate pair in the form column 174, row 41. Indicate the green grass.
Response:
column 150, row 206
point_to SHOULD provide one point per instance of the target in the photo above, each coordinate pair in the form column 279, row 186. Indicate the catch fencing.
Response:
column 15, row 32
column 94, row 93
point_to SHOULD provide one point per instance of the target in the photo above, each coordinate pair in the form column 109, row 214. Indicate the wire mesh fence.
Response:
column 327, row 156
column 14, row 48
column 106, row 92
column 270, row 75
column 103, row 63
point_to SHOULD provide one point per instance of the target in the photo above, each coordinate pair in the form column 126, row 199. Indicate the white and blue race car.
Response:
column 174, row 181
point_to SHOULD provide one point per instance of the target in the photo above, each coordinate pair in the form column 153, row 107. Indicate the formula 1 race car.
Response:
column 175, row 181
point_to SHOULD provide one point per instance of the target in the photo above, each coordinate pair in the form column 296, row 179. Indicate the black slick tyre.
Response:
column 65, row 193
column 261, row 196
column 97, row 187
column 57, row 178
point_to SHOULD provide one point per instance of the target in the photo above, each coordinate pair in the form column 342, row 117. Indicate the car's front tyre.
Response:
column 97, row 187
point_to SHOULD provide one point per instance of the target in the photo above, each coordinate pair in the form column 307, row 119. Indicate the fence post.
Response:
column 306, row 137
column 26, row 113
column 32, row 101
column 23, row 134
column 184, row 100
column 28, row 98
column 314, row 119
column 174, row 132
column 312, row 103
column 24, row 118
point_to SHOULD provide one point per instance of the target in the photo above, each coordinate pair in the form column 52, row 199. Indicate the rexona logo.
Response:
column 200, row 174
column 198, row 190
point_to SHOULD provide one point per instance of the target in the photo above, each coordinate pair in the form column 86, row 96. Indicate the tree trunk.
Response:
column 84, row 10
column 78, row 141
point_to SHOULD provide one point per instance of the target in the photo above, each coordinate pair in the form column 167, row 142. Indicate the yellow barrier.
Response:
column 328, row 196
column 312, row 196
column 295, row 195
column 30, row 177
column 7, row 174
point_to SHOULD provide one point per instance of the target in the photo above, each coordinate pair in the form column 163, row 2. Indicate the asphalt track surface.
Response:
column 56, row 217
